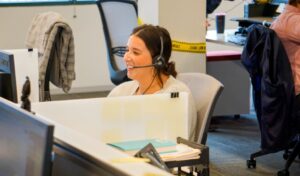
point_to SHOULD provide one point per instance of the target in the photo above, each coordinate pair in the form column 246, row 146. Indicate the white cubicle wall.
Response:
column 122, row 118
column 87, row 124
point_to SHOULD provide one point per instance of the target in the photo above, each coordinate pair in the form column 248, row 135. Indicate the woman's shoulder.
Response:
column 175, row 85
column 124, row 89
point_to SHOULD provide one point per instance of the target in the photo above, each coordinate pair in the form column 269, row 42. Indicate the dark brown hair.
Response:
column 152, row 36
column 294, row 2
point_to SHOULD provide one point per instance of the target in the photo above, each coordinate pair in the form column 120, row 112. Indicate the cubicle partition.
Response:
column 121, row 118
column 82, row 127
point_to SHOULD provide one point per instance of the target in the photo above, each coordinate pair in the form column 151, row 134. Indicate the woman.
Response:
column 148, row 65
column 287, row 27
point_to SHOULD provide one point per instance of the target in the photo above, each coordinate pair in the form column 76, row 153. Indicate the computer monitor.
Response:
column 8, row 88
column 25, row 142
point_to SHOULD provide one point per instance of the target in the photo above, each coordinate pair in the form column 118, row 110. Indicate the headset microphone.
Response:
column 143, row 66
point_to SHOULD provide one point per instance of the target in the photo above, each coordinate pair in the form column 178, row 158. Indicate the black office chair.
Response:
column 119, row 17
column 266, row 61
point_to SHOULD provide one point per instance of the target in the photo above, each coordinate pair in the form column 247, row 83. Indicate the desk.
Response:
column 212, row 36
column 245, row 22
column 226, row 66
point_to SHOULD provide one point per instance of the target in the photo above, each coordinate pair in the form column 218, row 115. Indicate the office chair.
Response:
column 119, row 17
column 206, row 91
column 265, row 59
column 53, row 37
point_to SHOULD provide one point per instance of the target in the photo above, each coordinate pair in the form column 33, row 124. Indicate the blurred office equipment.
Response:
column 25, row 142
column 118, row 18
column 53, row 38
column 22, row 58
column 8, row 87
column 205, row 91
column 237, row 39
column 258, row 12
column 26, row 104
column 211, row 5
column 265, row 59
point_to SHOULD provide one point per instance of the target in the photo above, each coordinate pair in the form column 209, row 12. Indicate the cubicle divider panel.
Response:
column 122, row 118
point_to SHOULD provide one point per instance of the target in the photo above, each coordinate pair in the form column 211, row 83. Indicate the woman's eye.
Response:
column 136, row 53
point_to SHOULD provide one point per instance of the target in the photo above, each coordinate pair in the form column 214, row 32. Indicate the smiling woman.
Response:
column 147, row 59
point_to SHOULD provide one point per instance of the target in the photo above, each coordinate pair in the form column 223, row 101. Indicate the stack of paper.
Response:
column 132, row 147
column 183, row 152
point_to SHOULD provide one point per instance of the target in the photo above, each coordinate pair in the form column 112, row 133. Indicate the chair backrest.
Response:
column 119, row 17
column 206, row 91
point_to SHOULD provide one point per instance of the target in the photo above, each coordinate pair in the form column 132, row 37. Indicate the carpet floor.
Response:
column 233, row 142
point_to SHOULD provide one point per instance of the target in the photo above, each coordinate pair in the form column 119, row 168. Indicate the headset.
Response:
column 159, row 61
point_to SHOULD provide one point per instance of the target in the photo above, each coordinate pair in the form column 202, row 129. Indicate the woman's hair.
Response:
column 153, row 36
column 294, row 2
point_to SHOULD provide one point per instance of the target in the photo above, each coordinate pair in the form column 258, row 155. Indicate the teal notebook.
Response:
column 131, row 147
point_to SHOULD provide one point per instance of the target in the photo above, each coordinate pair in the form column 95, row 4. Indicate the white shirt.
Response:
column 171, row 85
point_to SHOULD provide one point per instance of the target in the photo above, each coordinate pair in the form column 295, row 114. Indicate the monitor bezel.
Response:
column 7, row 65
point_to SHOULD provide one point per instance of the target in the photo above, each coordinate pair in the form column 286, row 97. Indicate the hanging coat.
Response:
column 266, row 61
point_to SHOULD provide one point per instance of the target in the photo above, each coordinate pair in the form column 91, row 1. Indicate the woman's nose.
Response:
column 126, row 56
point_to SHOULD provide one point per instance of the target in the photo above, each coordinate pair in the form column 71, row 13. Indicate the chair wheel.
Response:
column 251, row 163
column 283, row 173
column 285, row 155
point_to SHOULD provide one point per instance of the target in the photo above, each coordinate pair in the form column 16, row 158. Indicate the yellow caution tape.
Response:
column 140, row 21
column 184, row 46
column 189, row 47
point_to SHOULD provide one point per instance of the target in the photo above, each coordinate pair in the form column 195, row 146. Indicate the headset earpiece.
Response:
column 159, row 61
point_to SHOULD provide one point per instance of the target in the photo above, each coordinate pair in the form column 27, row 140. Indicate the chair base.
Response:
column 289, row 156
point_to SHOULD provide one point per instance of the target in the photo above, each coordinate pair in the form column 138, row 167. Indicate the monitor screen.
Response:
column 8, row 88
column 25, row 142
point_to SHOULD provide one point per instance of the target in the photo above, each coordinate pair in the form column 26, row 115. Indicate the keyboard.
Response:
column 237, row 39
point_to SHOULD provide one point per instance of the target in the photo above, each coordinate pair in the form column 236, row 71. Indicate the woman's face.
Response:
column 137, row 55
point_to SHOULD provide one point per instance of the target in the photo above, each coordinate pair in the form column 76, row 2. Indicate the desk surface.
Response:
column 212, row 36
column 255, row 20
